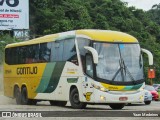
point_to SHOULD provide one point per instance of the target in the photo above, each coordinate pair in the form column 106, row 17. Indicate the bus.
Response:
column 81, row 67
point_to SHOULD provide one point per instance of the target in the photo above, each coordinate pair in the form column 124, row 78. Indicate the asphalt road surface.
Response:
column 44, row 109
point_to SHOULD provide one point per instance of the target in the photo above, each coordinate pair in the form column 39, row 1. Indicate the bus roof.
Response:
column 96, row 35
column 107, row 36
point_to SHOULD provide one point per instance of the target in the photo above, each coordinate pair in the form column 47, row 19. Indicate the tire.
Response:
column 17, row 95
column 24, row 98
column 53, row 103
column 58, row 103
column 32, row 102
column 74, row 100
column 62, row 103
column 117, row 106
column 147, row 102
column 129, row 104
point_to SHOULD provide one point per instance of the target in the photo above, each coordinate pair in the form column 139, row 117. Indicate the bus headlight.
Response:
column 102, row 98
column 141, row 89
column 100, row 88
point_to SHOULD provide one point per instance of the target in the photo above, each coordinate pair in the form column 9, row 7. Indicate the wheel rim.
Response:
column 17, row 96
column 76, row 98
column 24, row 96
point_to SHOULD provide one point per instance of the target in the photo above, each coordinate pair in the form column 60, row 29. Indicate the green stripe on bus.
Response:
column 128, row 88
column 135, row 87
column 46, row 77
column 56, row 74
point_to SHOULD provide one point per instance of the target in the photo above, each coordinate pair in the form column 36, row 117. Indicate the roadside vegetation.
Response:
column 4, row 40
column 52, row 16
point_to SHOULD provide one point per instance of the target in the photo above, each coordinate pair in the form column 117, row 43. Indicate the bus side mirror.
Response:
column 151, row 72
column 150, row 56
column 94, row 53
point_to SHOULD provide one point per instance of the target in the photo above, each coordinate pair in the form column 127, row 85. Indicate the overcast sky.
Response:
column 142, row 4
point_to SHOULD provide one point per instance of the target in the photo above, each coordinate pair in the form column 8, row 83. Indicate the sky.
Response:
column 142, row 4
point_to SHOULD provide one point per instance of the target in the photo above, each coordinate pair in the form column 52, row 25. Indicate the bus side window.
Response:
column 69, row 53
column 8, row 55
column 57, row 51
column 14, row 54
column 31, row 53
column 29, row 56
column 45, row 52
column 36, row 53
column 64, row 50
column 22, row 55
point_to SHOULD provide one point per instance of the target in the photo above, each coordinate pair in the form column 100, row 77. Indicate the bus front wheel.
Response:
column 117, row 106
column 74, row 99
column 17, row 95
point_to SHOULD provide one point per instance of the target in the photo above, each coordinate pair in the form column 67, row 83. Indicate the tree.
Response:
column 52, row 16
column 4, row 40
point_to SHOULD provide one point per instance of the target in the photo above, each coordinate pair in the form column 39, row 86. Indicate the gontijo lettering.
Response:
column 27, row 70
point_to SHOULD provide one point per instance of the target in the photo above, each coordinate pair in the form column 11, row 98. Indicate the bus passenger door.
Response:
column 88, row 79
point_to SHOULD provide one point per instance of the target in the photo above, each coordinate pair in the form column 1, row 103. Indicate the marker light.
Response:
column 151, row 73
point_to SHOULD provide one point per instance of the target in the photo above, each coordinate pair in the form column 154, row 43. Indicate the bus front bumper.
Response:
column 119, row 97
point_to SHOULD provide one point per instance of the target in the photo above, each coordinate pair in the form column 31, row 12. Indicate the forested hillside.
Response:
column 154, row 14
column 52, row 16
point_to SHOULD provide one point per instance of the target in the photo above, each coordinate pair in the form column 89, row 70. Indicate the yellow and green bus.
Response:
column 80, row 66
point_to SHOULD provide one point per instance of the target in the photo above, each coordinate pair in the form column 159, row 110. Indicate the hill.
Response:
column 52, row 16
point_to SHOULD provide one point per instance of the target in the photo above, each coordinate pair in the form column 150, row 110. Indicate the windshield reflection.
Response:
column 119, row 62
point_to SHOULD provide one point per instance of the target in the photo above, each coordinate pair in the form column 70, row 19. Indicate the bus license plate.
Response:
column 123, row 98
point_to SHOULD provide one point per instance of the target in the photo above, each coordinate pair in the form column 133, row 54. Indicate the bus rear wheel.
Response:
column 17, row 95
column 117, row 106
column 25, row 100
column 74, row 99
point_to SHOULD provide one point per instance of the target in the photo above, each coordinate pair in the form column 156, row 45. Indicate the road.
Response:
column 91, row 112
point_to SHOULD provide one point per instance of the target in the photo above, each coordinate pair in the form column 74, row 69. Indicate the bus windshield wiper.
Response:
column 123, row 69
column 120, row 69
column 127, row 71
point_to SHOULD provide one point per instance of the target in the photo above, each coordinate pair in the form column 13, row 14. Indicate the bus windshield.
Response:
column 119, row 62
